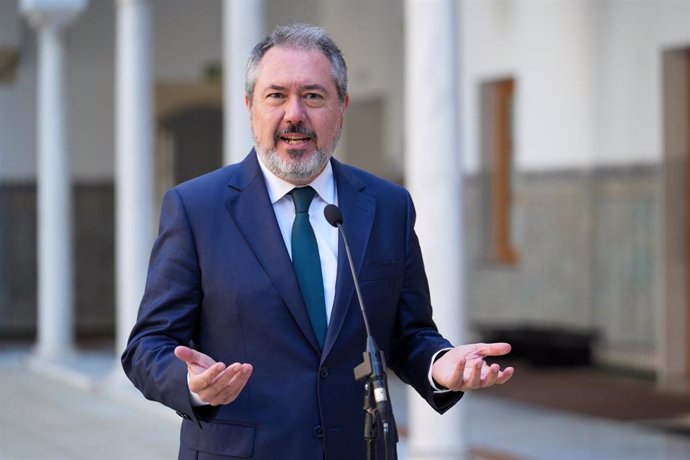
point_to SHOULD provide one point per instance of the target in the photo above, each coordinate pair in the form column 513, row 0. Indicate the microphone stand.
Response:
column 377, row 406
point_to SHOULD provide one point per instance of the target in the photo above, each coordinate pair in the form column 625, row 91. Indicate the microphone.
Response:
column 374, row 363
column 333, row 215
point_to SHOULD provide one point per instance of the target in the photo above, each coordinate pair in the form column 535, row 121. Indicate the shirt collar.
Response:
column 278, row 188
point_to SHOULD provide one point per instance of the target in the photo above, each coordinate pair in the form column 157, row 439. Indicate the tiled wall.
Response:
column 17, row 259
column 94, row 259
column 588, row 245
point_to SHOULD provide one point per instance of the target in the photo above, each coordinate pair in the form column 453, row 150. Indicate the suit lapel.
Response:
column 358, row 211
column 252, row 212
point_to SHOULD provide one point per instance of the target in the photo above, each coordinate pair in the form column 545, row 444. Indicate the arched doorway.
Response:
column 189, row 138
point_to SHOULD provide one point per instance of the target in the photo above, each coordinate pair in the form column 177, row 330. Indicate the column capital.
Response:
column 56, row 13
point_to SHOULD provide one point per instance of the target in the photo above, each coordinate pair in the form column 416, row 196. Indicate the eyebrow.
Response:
column 305, row 87
column 317, row 87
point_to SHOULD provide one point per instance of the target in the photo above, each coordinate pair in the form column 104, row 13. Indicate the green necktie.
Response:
column 306, row 261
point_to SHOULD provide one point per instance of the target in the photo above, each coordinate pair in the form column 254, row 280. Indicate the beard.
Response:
column 299, row 167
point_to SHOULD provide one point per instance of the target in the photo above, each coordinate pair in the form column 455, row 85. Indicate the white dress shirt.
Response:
column 326, row 234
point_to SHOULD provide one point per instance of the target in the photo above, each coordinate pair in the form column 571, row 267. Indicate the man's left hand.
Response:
column 463, row 368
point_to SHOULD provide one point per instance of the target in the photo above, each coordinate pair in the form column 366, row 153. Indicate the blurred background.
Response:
column 573, row 145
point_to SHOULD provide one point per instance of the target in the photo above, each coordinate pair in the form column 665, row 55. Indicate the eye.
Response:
column 274, row 99
column 314, row 99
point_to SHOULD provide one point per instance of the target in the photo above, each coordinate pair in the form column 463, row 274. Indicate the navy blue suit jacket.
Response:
column 220, row 280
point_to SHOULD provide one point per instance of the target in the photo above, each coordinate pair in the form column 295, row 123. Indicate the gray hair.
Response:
column 303, row 37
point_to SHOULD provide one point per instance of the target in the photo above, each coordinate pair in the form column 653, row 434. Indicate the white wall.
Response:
column 370, row 34
column 17, row 101
column 279, row 12
column 587, row 72
column 631, row 38
column 186, row 38
column 488, row 51
column 89, row 85
column 546, row 46
column 554, row 87
column 90, row 53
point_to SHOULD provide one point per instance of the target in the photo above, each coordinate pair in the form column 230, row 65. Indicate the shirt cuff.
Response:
column 438, row 389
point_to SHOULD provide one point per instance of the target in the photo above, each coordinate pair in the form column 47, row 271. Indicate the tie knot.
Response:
column 302, row 198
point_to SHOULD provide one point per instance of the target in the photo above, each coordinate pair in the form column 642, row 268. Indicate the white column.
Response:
column 433, row 176
column 134, row 161
column 55, row 264
column 242, row 29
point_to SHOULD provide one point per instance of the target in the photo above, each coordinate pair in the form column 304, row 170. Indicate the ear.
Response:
column 246, row 102
column 343, row 109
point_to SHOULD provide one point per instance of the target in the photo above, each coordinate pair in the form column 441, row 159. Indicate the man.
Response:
column 257, row 357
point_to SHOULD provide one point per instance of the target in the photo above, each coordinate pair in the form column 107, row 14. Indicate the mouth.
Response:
column 295, row 135
column 295, row 139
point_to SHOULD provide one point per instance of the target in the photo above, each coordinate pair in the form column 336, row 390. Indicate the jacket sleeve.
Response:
column 168, row 312
column 418, row 338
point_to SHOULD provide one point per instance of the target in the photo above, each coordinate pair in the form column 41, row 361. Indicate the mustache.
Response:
column 294, row 129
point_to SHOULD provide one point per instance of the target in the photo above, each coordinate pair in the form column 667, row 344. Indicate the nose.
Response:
column 294, row 111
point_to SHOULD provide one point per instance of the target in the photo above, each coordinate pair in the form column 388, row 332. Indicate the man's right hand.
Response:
column 213, row 382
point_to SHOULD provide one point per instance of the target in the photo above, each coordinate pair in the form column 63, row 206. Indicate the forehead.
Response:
column 289, row 67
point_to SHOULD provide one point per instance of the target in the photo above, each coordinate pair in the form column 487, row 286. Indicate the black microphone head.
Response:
column 333, row 215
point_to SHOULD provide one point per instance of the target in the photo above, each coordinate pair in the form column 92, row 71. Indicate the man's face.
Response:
column 295, row 113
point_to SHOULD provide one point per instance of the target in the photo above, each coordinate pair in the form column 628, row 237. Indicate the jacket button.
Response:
column 318, row 431
column 323, row 372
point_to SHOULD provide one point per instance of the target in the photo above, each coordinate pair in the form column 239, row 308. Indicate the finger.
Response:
column 495, row 349
column 198, row 383
column 228, row 385
column 476, row 375
column 491, row 375
column 236, row 384
column 218, row 385
column 505, row 375
column 227, row 376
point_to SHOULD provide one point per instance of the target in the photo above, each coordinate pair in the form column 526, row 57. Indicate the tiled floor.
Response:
column 48, row 413
column 596, row 392
column 46, row 418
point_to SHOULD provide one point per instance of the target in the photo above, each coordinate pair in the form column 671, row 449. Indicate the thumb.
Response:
column 193, row 357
